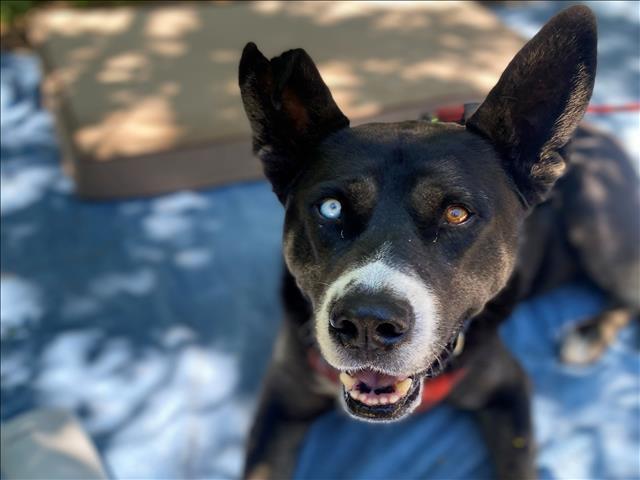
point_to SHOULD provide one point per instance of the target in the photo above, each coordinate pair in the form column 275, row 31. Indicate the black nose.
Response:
column 370, row 321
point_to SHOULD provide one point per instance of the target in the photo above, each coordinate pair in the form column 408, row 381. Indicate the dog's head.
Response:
column 399, row 233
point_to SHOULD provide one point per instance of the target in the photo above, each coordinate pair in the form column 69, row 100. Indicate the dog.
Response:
column 407, row 244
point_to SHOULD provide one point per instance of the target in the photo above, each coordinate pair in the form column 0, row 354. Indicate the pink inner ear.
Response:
column 295, row 110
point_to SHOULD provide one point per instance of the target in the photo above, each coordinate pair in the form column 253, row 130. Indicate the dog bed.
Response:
column 146, row 96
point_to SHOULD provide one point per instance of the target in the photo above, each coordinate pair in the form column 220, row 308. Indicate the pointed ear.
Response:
column 540, row 99
column 290, row 110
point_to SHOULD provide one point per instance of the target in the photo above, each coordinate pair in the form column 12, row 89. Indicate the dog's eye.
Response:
column 456, row 214
column 330, row 208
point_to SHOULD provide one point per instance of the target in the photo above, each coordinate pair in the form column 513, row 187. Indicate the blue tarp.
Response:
column 153, row 320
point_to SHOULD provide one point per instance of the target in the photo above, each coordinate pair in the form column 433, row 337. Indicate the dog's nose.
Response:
column 370, row 322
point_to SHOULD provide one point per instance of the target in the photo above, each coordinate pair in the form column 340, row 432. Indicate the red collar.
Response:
column 434, row 390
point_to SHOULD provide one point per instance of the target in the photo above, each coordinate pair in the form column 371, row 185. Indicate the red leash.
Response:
column 455, row 113
column 603, row 109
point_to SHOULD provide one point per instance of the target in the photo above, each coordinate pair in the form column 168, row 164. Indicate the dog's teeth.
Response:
column 347, row 380
column 403, row 387
column 372, row 399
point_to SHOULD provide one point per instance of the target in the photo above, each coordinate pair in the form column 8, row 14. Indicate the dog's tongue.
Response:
column 374, row 379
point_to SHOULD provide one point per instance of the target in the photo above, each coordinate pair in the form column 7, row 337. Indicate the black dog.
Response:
column 399, row 237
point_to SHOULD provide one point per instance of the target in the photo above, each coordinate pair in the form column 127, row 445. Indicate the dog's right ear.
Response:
column 539, row 100
column 290, row 109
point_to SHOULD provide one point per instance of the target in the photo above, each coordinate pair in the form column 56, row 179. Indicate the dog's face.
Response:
column 396, row 247
column 400, row 233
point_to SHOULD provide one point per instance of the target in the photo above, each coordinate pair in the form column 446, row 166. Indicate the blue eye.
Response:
column 330, row 209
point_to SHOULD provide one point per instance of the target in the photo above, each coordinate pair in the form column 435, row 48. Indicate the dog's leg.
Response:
column 588, row 341
column 497, row 390
column 506, row 424
column 290, row 400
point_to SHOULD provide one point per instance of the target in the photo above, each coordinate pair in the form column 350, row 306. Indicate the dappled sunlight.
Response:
column 114, row 311
column 168, row 48
column 446, row 68
column 140, row 282
column 381, row 66
column 460, row 18
column 23, row 187
column 21, row 306
column 376, row 57
column 170, row 217
column 321, row 12
column 165, row 227
column 328, row 13
column 339, row 74
column 166, row 27
column 148, row 125
column 147, row 402
column 130, row 66
column 404, row 20
column 105, row 288
column 452, row 41
column 179, row 202
column 396, row 14
column 346, row 88
column 171, row 22
column 75, row 23
column 193, row 258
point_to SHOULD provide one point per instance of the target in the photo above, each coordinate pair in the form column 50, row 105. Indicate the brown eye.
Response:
column 456, row 214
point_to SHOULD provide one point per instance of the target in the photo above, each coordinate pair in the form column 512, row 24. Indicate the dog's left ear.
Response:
column 539, row 100
column 290, row 109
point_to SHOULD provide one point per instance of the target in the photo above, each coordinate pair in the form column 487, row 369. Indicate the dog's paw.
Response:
column 586, row 343
column 581, row 348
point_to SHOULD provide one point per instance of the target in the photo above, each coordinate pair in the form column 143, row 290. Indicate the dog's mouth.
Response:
column 378, row 396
